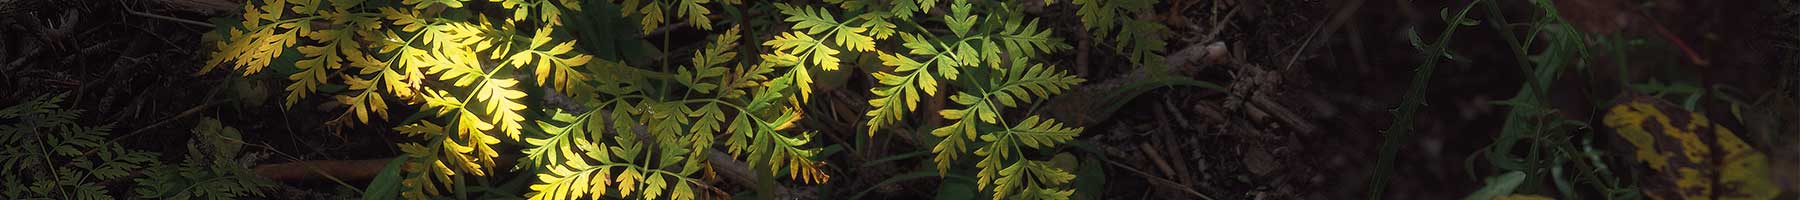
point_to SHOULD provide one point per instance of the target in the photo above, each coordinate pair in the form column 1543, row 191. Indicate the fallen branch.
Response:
column 1087, row 104
column 313, row 170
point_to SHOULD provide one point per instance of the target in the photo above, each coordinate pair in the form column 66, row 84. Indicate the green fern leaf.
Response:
column 561, row 145
column 1146, row 42
column 211, row 170
column 959, row 19
column 709, row 63
column 905, row 8
column 1140, row 38
column 695, row 13
column 1028, row 41
column 878, row 26
column 1012, row 180
column 1019, row 84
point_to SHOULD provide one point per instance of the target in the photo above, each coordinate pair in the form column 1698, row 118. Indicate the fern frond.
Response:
column 709, row 63
column 366, row 101
column 1022, row 83
column 424, row 55
column 1013, row 180
column 551, row 64
column 42, row 104
column 253, row 45
column 562, row 142
column 757, row 129
column 1003, row 144
column 815, row 21
column 1140, row 38
column 847, row 34
column 424, row 164
column 336, row 47
column 1028, row 41
column 72, row 140
column 444, row 156
column 575, row 177
column 907, row 7
column 781, row 150
column 210, row 171
column 695, row 13
column 565, row 182
column 503, row 106
column 899, row 94
column 960, row 20
column 1018, row 85
column 652, row 12
column 116, row 162
column 1145, row 37
column 804, row 46
column 549, row 11
column 67, row 160
column 878, row 25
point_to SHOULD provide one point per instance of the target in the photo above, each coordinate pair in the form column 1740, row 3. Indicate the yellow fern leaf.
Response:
column 550, row 64
column 652, row 16
column 805, row 47
column 502, row 105
column 695, row 13
column 628, row 181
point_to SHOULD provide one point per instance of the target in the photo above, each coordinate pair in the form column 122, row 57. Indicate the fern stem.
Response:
column 56, row 177
column 1415, row 96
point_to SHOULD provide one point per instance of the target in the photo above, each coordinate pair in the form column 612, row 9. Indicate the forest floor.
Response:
column 1309, row 86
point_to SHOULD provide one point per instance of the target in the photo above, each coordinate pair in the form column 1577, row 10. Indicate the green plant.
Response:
column 1546, row 152
column 57, row 158
column 1396, row 133
column 1532, row 120
column 63, row 160
column 660, row 139
column 642, row 127
column 1138, row 38
column 460, row 67
column 211, row 170
column 987, row 57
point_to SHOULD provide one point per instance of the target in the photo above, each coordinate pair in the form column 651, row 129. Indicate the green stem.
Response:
column 55, row 178
column 1415, row 96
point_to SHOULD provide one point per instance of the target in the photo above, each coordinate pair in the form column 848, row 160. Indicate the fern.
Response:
column 574, row 176
column 1138, row 39
column 652, row 12
column 899, row 93
column 850, row 34
column 419, row 55
column 211, row 170
column 660, row 159
column 985, row 56
column 58, row 158
column 643, row 132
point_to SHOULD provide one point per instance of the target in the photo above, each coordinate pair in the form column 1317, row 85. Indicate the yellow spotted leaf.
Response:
column 1688, row 156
